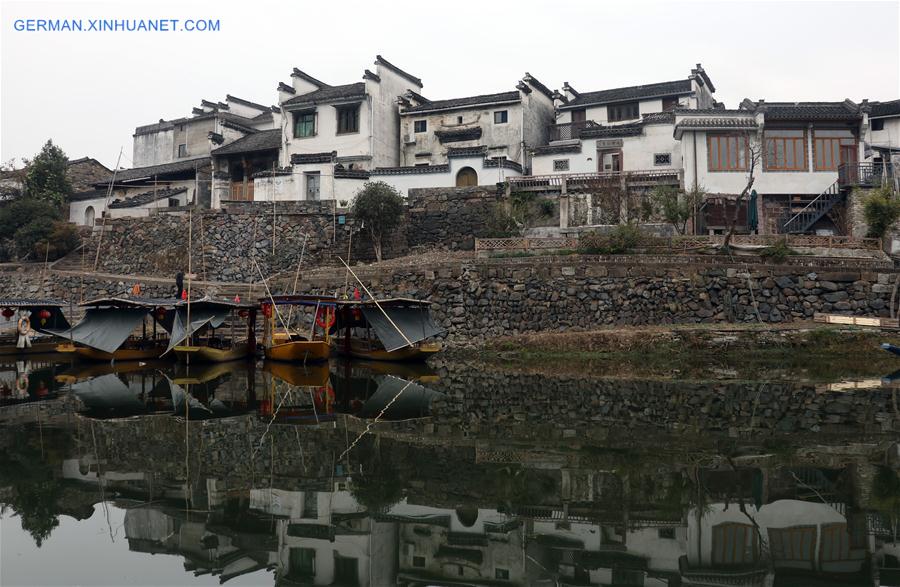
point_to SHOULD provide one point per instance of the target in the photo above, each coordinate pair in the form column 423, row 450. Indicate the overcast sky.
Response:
column 88, row 91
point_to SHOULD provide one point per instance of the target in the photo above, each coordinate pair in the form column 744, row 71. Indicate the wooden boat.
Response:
column 121, row 354
column 210, row 354
column 394, row 329
column 371, row 350
column 117, row 329
column 201, row 341
column 298, row 375
column 34, row 317
column 291, row 346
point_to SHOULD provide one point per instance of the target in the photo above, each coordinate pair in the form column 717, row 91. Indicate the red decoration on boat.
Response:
column 267, row 310
column 184, row 295
column 8, row 313
column 44, row 314
column 356, row 294
column 243, row 313
column 237, row 298
column 160, row 313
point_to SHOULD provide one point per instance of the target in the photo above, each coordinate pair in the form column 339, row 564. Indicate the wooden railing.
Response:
column 524, row 244
column 864, row 174
column 570, row 130
column 242, row 192
column 577, row 181
column 688, row 242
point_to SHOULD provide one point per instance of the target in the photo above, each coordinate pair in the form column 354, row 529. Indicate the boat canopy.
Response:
column 56, row 321
column 299, row 300
column 203, row 313
column 398, row 325
column 104, row 329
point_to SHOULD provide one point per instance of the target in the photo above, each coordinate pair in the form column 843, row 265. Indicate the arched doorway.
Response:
column 89, row 216
column 466, row 176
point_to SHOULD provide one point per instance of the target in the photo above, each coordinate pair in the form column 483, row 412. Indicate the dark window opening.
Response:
column 627, row 111
column 670, row 104
column 348, row 119
column 304, row 124
column 418, row 561
column 878, row 124
column 668, row 533
column 579, row 115
column 459, row 120
column 420, row 126
column 501, row 574
column 501, row 117
column 182, row 150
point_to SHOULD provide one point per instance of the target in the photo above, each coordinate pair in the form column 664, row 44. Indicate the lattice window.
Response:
column 560, row 165
column 662, row 159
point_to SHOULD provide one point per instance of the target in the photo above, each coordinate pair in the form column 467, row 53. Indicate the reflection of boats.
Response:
column 119, row 395
column 399, row 399
column 27, row 380
column 81, row 371
column 107, row 330
column 203, row 343
column 299, row 375
column 206, row 372
column 893, row 349
column 288, row 344
column 418, row 371
column 394, row 329
column 32, row 317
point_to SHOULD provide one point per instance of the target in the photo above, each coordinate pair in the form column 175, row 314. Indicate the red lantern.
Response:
column 237, row 298
column 267, row 310
column 44, row 314
column 243, row 313
column 160, row 314
column 8, row 313
column 184, row 295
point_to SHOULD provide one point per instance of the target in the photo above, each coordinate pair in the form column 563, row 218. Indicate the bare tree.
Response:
column 754, row 151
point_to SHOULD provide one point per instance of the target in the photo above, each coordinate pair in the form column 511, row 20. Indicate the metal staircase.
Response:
column 800, row 220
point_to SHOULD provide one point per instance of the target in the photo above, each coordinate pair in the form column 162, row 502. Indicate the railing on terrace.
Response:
column 576, row 181
column 524, row 244
column 567, row 131
column 864, row 174
column 686, row 243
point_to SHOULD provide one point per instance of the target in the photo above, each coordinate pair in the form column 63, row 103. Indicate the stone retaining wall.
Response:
column 450, row 217
column 481, row 298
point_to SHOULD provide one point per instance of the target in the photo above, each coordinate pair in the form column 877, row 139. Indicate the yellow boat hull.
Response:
column 299, row 351
column 360, row 349
column 123, row 354
column 206, row 354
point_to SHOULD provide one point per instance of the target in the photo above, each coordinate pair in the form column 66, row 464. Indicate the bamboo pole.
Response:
column 408, row 342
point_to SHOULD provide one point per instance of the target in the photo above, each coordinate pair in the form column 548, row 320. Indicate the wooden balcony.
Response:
column 570, row 130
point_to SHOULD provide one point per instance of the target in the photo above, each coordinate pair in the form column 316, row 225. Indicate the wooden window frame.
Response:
column 818, row 144
column 296, row 125
column 718, row 138
column 504, row 114
column 621, row 114
column 424, row 126
column 344, row 111
column 802, row 140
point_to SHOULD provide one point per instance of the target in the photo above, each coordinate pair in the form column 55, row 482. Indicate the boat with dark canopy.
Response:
column 120, row 329
column 200, row 341
column 393, row 329
column 31, row 331
column 283, row 341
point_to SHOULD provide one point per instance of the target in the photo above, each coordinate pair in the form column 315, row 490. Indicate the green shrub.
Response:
column 28, row 225
column 619, row 240
column 778, row 252
column 548, row 208
column 881, row 210
column 500, row 224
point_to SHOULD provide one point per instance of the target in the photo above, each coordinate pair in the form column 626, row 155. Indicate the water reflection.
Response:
column 29, row 379
column 253, row 498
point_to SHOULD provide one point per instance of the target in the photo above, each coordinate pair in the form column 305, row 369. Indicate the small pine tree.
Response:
column 46, row 177
column 379, row 207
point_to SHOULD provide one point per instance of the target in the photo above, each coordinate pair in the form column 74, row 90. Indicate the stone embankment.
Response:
column 475, row 299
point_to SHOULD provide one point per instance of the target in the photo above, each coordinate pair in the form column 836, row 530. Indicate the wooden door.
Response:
column 848, row 164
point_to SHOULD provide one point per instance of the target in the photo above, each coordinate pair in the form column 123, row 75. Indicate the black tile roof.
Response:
column 264, row 140
column 466, row 151
column 343, row 173
column 146, row 198
column 502, row 162
column 411, row 170
column 538, row 85
column 88, row 195
column 382, row 61
column 300, row 158
column 658, row 118
column 245, row 102
column 558, row 149
column 809, row 111
column 468, row 101
column 327, row 94
column 891, row 108
column 305, row 76
column 630, row 129
column 713, row 122
column 456, row 135
column 178, row 167
column 657, row 90
column 86, row 160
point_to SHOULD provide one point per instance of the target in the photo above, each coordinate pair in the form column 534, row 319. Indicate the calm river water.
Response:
column 457, row 474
